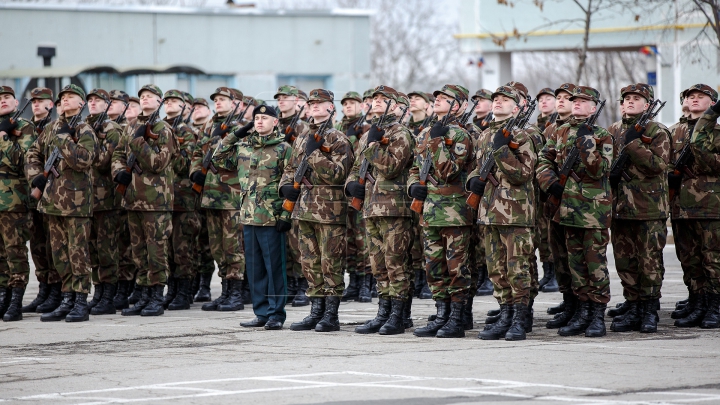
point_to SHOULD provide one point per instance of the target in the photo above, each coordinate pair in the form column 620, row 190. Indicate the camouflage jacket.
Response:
column 71, row 194
column 153, row 189
column 512, row 202
column 222, row 190
column 645, row 196
column 39, row 130
column 184, row 198
column 105, row 198
column 452, row 160
column 585, row 204
column 261, row 162
column 389, row 165
column 198, row 128
column 326, row 202
column 301, row 127
column 680, row 135
column 13, row 183
column 343, row 127
column 412, row 125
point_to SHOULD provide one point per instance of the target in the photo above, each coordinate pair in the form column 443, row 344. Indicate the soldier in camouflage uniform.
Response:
column 321, row 211
column 388, row 149
column 446, row 230
column 67, row 201
column 148, row 197
column 695, row 212
column 640, row 211
column 584, row 210
column 482, row 109
column 133, row 110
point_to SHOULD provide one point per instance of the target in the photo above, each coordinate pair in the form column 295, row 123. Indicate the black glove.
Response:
column 477, row 186
column 351, row 131
column 416, row 131
column 584, row 130
column 282, row 226
column 219, row 132
column 124, row 177
column 140, row 131
column 556, row 190
column 7, row 126
column 615, row 179
column 290, row 192
column 631, row 134
column 500, row 140
column 312, row 145
column 198, row 178
column 438, row 130
column 375, row 134
column 418, row 191
column 674, row 180
column 39, row 181
column 65, row 129
column 244, row 131
column 716, row 107
column 356, row 189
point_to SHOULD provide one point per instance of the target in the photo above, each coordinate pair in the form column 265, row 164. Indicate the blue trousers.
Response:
column 265, row 269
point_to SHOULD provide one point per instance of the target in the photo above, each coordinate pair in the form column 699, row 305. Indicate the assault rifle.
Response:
column 425, row 176
column 48, row 170
column 189, row 117
column 363, row 175
column 15, row 117
column 40, row 127
column 121, row 117
column 293, row 123
column 551, row 120
column 466, row 115
column 103, row 116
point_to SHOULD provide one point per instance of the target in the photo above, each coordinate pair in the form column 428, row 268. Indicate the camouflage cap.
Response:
column 402, row 98
column 386, row 91
column 702, row 88
column 641, row 89
column 119, row 95
column 264, row 110
column 287, row 90
column 134, row 100
column 483, row 93
column 420, row 94
column 302, row 95
column 520, row 88
column 546, row 90
column 74, row 89
column 507, row 91
column 223, row 91
column 189, row 99
column 587, row 93
column 430, row 97
column 237, row 94
column 99, row 93
column 368, row 93
column 7, row 90
column 566, row 87
column 41, row 93
column 321, row 95
column 151, row 88
column 174, row 94
column 248, row 100
column 201, row 101
column 351, row 95
column 455, row 91
column 682, row 96
column 260, row 102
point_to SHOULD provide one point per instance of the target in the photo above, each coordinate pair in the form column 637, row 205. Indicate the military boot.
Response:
column 330, row 321
column 14, row 311
column 579, row 322
column 171, row 291
column 365, row 291
column 564, row 317
column 120, row 301
column 493, row 312
column 59, row 314
column 144, row 300
column 317, row 310
column 106, row 306
column 5, row 295
column 519, row 321
column 441, row 318
column 136, row 294
column 596, row 328
column 352, row 289
column 493, row 316
column 546, row 274
column 212, row 306
column 374, row 325
column 53, row 300
column 407, row 313
column 556, row 309
column 486, row 286
column 246, row 295
column 301, row 299
column 97, row 295
column 433, row 316
column 80, row 311
column 499, row 329
column 373, row 288
column 395, row 324
column 551, row 285
column 194, row 286
column 685, row 310
column 711, row 320
column 419, row 282
column 620, row 309
column 234, row 301
column 454, row 327
column 630, row 321
column 43, row 293
column 468, row 322
column 183, row 299
column 292, row 289
column 650, row 317
column 696, row 315
column 530, row 316
column 203, row 294
column 156, row 306
column 680, row 304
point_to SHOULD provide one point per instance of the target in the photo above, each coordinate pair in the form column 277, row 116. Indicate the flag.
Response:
column 649, row 50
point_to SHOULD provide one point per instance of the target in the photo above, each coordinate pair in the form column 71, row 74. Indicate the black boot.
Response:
column 395, row 325
column 171, row 292
column 80, row 311
column 106, row 306
column 486, row 287
column 136, row 294
column 97, row 295
column 564, row 317
column 530, row 316
column 59, row 314
column 499, row 329
column 596, row 328
column 682, row 303
column 292, row 289
column 493, row 312
column 546, row 274
column 493, row 316
column 14, row 311
column 246, row 295
column 5, row 295
column 630, row 321
column 330, row 321
column 685, row 310
column 120, row 301
column 301, row 299
column 184, row 295
column 696, row 315
column 234, row 301
column 710, row 321
column 43, row 293
column 365, row 293
column 551, row 285
column 650, row 317
column 53, row 300
column 433, row 316
column 352, row 290
column 144, row 300
column 454, row 327
column 419, row 282
column 620, row 309
column 519, row 321
column 468, row 322
column 579, row 322
column 157, row 300
column 374, row 325
column 317, row 310
column 556, row 309
column 203, row 294
column 373, row 288
column 441, row 318
column 212, row 306
column 407, row 313
column 194, row 286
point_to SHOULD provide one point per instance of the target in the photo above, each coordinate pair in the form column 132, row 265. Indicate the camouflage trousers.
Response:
column 542, row 245
column 357, row 250
column 697, row 246
column 417, row 253
column 587, row 260
column 476, row 255
column 40, row 249
column 389, row 241
column 203, row 260
column 104, row 253
column 149, row 235
column 14, row 266
column 226, row 243
column 509, row 254
column 556, row 239
column 126, row 264
column 322, row 254
column 638, row 250
column 183, row 244
column 69, row 240
column 293, row 268
column 446, row 262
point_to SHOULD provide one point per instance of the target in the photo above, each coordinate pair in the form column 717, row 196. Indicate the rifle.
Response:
column 444, row 121
column 551, row 120
column 43, row 123
column 619, row 166
column 466, row 115
column 425, row 176
column 488, row 118
column 207, row 165
column 358, row 123
column 15, row 117
column 381, row 122
column 363, row 175
column 101, row 119
column 121, row 117
column 189, row 117
column 131, row 166
column 242, row 115
column 591, row 121
column 402, row 116
column 226, row 124
column 75, row 120
column 48, row 170
column 682, row 165
column 178, row 119
column 426, row 122
column 528, row 111
column 293, row 122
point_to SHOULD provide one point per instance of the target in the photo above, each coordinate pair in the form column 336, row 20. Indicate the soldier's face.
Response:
column 7, row 103
column 133, row 110
column 351, row 108
column 546, row 104
column 698, row 102
column 223, row 104
column 504, row 106
column 367, row 104
column 318, row 110
column 201, row 112
column 264, row 124
column 173, row 106
column 96, row 105
column 70, row 102
column 287, row 103
column 583, row 108
column 483, row 107
column 39, row 106
column 380, row 103
column 442, row 104
column 116, row 108
column 562, row 103
column 417, row 104
column 149, row 102
column 634, row 104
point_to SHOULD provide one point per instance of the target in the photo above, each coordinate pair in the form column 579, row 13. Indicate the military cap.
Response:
column 682, row 96
column 259, row 102
column 455, row 91
column 507, row 91
column 640, row 89
column 386, row 91
column 566, row 87
column 321, row 95
column 587, row 93
column 237, row 94
column 702, row 88
column 483, row 93
column 174, row 94
column 286, row 90
column 7, row 90
column 188, row 97
column 420, row 94
column 249, row 100
column 430, row 97
column 134, row 100
column 72, row 88
column 520, row 88
column 119, row 95
column 41, row 93
column 99, row 93
column 201, row 101
column 546, row 90
column 152, row 89
column 368, row 93
column 302, row 95
column 351, row 95
column 264, row 110
column 402, row 98
column 57, row 102
column 223, row 91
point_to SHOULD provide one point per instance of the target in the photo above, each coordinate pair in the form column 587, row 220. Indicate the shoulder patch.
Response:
column 460, row 149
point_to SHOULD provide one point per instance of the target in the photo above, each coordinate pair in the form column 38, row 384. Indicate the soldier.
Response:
column 695, row 215
column 583, row 211
column 387, row 148
column 189, row 101
column 302, row 102
column 321, row 211
column 431, row 105
column 67, row 201
column 119, row 100
column 446, row 150
column 201, row 115
column 482, row 109
column 133, row 110
column 418, row 104
column 103, row 243
column 400, row 110
column 367, row 101
column 148, row 197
